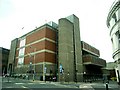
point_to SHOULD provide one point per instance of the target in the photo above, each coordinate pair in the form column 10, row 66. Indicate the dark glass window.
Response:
column 114, row 16
column 119, row 37
column 112, row 40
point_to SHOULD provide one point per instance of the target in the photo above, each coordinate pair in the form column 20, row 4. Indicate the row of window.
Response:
column 115, row 17
column 21, row 52
column 116, row 40
column 90, row 48
column 119, row 37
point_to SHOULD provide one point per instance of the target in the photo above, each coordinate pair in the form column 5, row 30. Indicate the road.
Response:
column 33, row 85
column 30, row 85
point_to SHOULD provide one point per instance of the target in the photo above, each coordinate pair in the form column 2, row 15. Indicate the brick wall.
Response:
column 35, row 43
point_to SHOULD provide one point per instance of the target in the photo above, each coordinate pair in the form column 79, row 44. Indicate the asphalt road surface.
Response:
column 21, row 84
column 29, row 84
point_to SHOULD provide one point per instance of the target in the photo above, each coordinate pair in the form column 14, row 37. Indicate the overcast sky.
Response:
column 16, row 14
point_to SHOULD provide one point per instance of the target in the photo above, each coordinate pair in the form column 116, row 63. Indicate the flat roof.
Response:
column 37, row 29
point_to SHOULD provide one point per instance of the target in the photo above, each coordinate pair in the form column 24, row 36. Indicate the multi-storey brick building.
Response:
column 36, row 51
column 45, row 51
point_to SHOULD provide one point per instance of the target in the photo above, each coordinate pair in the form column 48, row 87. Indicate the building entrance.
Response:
column 92, row 73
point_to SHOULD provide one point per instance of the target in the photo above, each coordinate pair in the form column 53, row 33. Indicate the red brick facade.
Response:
column 41, row 42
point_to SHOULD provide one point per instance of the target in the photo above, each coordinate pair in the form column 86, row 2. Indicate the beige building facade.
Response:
column 113, row 23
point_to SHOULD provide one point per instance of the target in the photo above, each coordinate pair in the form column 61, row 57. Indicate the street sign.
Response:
column 61, row 68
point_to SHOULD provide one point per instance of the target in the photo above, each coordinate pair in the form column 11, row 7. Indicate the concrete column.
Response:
column 70, row 52
column 65, row 44
column 78, row 51
column 12, row 56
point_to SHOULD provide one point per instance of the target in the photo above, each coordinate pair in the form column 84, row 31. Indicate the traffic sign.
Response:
column 61, row 68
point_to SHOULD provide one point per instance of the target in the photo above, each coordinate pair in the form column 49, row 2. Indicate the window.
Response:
column 22, row 42
column 21, row 61
column 114, row 16
column 112, row 22
column 21, row 52
column 117, row 14
column 119, row 37
column 112, row 43
column 21, row 56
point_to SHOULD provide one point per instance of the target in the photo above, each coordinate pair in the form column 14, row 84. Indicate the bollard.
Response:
column 106, row 86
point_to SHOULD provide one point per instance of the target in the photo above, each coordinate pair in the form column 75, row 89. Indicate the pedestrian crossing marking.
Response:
column 19, row 83
column 24, row 87
column 42, row 83
column 29, row 83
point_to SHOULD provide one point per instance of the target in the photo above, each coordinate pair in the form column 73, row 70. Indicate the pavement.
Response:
column 112, row 85
column 98, row 85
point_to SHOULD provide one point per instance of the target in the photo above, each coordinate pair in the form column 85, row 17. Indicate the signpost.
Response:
column 61, row 69
column 44, row 71
column 61, row 72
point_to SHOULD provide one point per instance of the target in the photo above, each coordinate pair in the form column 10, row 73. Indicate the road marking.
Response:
column 8, row 87
column 35, row 82
column 62, row 85
column 42, row 83
column 24, row 83
column 24, row 87
column 6, row 81
column 30, row 83
column 85, row 86
column 88, row 86
column 19, row 83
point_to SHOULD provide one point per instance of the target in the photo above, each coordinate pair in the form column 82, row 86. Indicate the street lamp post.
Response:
column 44, row 71
column 34, row 65
column 61, row 71
column 31, row 54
